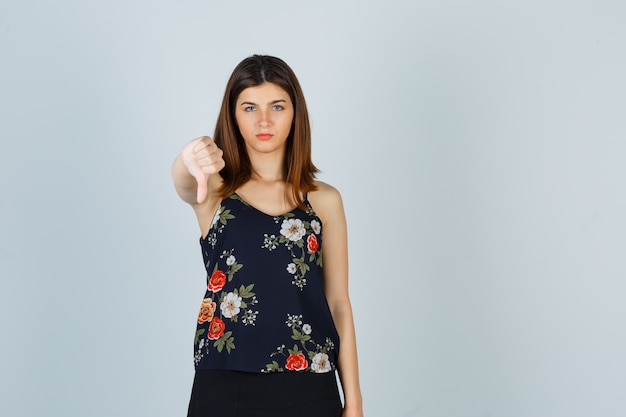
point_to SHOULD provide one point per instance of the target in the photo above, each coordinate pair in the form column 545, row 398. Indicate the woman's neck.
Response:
column 267, row 169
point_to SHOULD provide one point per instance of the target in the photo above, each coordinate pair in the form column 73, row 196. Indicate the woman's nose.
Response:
column 264, row 118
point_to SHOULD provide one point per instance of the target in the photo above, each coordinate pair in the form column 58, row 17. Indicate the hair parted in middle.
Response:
column 299, row 171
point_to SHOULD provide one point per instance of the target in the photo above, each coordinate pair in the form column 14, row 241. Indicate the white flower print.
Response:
column 329, row 344
column 197, row 357
column 295, row 319
column 299, row 282
column 291, row 268
column 270, row 242
column 249, row 317
column 320, row 363
column 306, row 328
column 231, row 304
column 230, row 261
column 316, row 226
column 293, row 229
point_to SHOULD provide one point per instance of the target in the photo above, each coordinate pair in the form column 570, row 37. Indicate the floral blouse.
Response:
column 264, row 309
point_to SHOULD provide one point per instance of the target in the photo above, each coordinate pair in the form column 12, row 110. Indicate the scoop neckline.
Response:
column 243, row 200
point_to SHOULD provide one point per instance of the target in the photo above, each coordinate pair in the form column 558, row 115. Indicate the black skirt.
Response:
column 217, row 393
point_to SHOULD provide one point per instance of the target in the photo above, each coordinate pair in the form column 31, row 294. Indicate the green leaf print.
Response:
column 226, row 340
column 246, row 292
column 225, row 216
column 300, row 337
column 304, row 267
column 318, row 261
column 274, row 367
column 199, row 333
column 230, row 345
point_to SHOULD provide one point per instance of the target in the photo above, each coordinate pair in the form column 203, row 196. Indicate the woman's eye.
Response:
column 277, row 107
column 249, row 108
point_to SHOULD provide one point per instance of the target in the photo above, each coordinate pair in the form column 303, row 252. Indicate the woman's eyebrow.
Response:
column 249, row 103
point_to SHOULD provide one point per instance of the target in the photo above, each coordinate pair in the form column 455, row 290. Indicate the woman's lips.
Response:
column 264, row 136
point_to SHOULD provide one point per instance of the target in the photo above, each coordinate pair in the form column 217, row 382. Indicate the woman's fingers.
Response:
column 202, row 158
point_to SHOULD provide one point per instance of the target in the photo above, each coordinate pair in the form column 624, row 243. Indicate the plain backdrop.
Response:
column 479, row 146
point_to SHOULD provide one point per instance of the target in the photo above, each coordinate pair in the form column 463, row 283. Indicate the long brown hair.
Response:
column 299, row 171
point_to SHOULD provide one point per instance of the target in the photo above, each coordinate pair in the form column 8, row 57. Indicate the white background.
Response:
column 479, row 146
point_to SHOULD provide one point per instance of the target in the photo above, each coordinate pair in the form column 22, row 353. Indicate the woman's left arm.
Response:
column 329, row 207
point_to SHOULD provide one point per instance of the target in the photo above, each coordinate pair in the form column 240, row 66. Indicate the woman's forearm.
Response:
column 348, row 360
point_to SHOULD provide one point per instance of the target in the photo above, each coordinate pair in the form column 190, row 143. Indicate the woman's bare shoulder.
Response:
column 326, row 201
column 325, row 193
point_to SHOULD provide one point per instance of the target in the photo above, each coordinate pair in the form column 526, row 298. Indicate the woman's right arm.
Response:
column 195, row 170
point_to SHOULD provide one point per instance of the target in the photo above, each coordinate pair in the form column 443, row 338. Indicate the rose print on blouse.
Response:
column 217, row 280
column 296, row 361
column 232, row 305
column 311, row 244
column 305, row 356
column 207, row 309
column 300, row 238
column 216, row 328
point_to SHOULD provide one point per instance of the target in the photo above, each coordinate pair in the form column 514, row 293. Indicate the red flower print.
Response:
column 217, row 281
column 312, row 243
column 296, row 362
column 216, row 328
column 206, row 310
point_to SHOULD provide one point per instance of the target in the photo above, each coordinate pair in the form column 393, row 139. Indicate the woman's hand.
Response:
column 202, row 158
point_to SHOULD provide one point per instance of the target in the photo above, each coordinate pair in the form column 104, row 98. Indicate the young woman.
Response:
column 276, row 321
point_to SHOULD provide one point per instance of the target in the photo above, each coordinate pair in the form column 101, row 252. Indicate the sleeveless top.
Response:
column 264, row 309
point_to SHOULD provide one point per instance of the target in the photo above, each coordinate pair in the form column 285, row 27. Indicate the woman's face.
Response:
column 264, row 116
